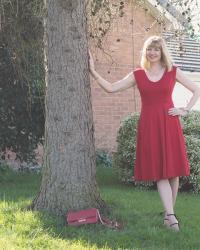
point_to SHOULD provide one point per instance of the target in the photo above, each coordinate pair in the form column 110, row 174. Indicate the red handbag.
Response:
column 90, row 216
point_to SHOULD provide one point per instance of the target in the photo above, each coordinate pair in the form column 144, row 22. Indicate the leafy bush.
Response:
column 191, row 128
column 103, row 158
column 123, row 159
column 22, row 82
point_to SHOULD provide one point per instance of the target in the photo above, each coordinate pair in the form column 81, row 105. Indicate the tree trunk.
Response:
column 69, row 175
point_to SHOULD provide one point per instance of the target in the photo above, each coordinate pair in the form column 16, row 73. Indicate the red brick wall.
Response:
column 124, row 43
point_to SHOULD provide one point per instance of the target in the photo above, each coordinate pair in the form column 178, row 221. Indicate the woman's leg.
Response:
column 165, row 192
column 174, row 183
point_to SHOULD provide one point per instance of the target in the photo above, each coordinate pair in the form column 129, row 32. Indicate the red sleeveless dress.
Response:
column 161, row 151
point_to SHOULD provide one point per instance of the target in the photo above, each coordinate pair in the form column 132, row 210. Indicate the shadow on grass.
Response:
column 17, row 186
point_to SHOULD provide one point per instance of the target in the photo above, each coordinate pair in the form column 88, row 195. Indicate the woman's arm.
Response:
column 127, row 82
column 186, row 82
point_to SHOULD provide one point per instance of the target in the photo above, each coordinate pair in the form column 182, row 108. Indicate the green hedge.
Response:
column 123, row 159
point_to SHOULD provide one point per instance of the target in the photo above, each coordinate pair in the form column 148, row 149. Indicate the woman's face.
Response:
column 153, row 54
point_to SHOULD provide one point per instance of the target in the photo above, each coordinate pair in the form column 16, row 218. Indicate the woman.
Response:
column 161, row 154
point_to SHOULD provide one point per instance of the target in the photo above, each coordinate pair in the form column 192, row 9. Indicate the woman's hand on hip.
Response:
column 177, row 111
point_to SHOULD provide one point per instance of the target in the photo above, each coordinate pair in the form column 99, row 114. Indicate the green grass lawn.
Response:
column 138, row 209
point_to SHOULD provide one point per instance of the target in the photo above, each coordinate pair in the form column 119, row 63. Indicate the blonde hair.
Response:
column 156, row 42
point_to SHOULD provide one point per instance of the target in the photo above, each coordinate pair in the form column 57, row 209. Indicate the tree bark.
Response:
column 69, row 174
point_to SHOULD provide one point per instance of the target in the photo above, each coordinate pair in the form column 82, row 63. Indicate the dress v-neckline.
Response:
column 155, row 81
